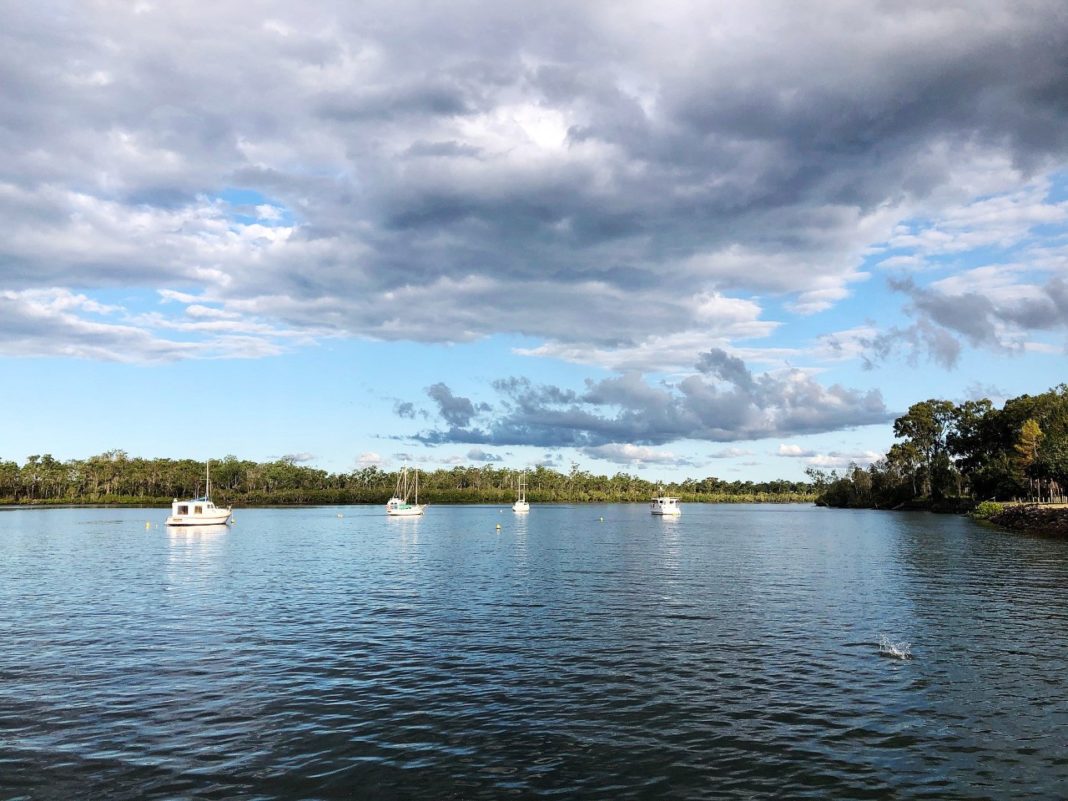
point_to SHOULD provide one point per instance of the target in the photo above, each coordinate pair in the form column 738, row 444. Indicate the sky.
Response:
column 667, row 238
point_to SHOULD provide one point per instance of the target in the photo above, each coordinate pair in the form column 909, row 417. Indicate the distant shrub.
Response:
column 987, row 509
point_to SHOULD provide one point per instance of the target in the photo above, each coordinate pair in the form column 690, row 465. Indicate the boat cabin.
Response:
column 664, row 505
column 197, row 512
column 197, row 507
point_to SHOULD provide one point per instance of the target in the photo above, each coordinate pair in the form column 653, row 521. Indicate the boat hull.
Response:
column 409, row 511
column 214, row 519
column 520, row 506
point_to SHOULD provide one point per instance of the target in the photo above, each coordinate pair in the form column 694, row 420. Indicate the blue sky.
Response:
column 737, row 244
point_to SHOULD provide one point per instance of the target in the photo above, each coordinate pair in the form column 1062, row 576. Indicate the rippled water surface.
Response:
column 734, row 652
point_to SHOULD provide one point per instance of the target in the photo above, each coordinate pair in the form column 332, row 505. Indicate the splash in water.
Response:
column 898, row 650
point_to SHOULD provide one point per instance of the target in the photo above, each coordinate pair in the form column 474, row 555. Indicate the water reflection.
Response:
column 406, row 529
column 194, row 553
column 188, row 534
column 303, row 655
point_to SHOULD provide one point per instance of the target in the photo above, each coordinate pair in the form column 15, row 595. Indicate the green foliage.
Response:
column 949, row 453
column 987, row 509
column 115, row 477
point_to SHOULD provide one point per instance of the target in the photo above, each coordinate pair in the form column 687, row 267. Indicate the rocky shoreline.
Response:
column 1033, row 519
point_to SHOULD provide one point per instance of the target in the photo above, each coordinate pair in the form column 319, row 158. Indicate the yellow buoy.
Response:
column 498, row 526
column 148, row 524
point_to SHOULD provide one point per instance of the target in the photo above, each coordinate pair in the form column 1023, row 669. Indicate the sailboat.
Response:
column 398, row 505
column 199, row 511
column 521, row 504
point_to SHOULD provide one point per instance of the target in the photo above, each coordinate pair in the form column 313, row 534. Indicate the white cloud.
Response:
column 839, row 460
column 730, row 453
column 633, row 455
column 619, row 199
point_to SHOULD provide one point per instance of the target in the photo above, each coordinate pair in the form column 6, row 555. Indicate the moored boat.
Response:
column 398, row 505
column 664, row 505
column 199, row 511
column 521, row 504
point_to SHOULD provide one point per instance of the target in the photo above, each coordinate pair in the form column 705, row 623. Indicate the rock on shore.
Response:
column 1033, row 519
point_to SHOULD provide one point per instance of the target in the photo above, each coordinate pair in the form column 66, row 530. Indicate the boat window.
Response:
column 198, row 510
column 183, row 510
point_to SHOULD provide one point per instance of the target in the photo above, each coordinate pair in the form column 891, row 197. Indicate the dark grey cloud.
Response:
column 969, row 314
column 981, row 318
column 627, row 410
column 454, row 410
column 303, row 456
column 717, row 362
column 920, row 338
column 444, row 149
column 539, row 171
column 404, row 409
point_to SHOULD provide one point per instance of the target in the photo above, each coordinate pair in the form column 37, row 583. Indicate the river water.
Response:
column 580, row 652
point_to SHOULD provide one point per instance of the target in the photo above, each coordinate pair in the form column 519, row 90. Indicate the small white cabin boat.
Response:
column 398, row 505
column 664, row 506
column 521, row 504
column 199, row 511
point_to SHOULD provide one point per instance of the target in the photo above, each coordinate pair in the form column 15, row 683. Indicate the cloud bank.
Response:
column 323, row 170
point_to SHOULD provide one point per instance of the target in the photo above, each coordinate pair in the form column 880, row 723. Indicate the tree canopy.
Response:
column 116, row 477
column 963, row 452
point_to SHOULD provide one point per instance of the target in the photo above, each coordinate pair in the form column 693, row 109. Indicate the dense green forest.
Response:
column 115, row 477
column 953, row 455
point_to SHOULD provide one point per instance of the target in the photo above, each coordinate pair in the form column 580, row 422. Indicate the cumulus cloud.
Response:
column 503, row 169
column 722, row 402
column 303, row 456
column 794, row 451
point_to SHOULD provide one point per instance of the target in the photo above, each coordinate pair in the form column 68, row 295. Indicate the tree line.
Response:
column 952, row 455
column 116, row 477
